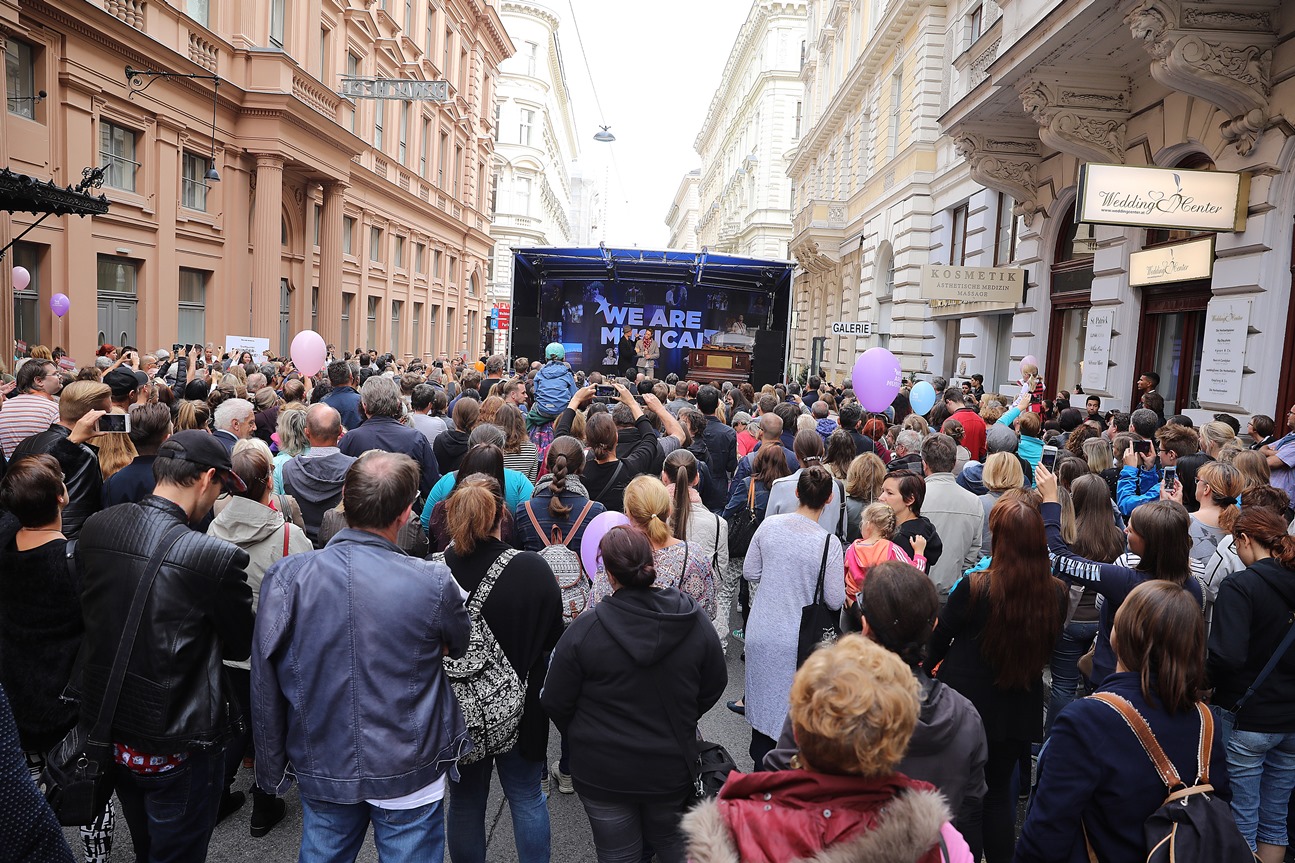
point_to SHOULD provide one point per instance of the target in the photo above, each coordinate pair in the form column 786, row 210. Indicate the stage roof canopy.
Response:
column 702, row 268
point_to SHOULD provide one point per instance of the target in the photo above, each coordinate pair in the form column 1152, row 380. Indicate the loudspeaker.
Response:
column 767, row 365
column 526, row 338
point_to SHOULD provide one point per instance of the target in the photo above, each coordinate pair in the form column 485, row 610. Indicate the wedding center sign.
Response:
column 973, row 284
column 1178, row 263
column 1227, row 323
column 1162, row 198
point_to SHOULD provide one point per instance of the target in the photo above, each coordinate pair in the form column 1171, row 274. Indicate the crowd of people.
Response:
column 374, row 583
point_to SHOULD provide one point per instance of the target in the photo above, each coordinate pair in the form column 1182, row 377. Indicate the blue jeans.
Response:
column 334, row 832
column 466, row 822
column 171, row 815
column 1261, row 768
column 1075, row 640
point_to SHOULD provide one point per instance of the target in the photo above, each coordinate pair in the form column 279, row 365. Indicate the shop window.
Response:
column 418, row 335
column 26, row 303
column 347, row 300
column 1171, row 341
column 1007, row 234
column 1071, row 292
column 192, row 327
column 396, row 306
column 285, row 315
column 371, row 332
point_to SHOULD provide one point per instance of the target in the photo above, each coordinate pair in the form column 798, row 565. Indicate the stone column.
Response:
column 330, row 264
column 267, row 247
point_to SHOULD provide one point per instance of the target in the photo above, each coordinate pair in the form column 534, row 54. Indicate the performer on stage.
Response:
column 626, row 352
column 648, row 350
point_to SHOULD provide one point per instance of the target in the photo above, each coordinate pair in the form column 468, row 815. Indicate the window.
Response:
column 409, row 17
column 975, row 24
column 375, row 244
column 436, row 263
column 371, row 332
column 441, row 155
column 494, row 193
column 896, row 101
column 796, row 130
column 319, row 217
column 958, row 239
column 346, row 318
column 117, row 156
column 481, row 186
column 458, row 169
column 428, row 37
column 394, row 347
column 194, row 184
column 472, row 285
column 451, row 340
column 445, row 53
column 20, row 79
column 398, row 254
column 463, row 72
column 522, row 195
column 452, row 275
column 348, row 235
column 431, row 331
column 531, row 53
column 424, row 142
column 418, row 335
column 277, row 16
column 198, row 10
column 285, row 315
column 419, row 250
column 1007, row 237
column 26, row 303
column 118, row 283
column 379, row 117
column 524, row 127
column 193, row 306
column 402, row 152
column 499, row 109
column 323, row 53
column 352, row 71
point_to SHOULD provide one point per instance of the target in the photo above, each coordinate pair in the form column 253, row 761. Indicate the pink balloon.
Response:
column 308, row 352
column 60, row 304
column 1028, row 360
column 593, row 537
column 877, row 378
column 21, row 278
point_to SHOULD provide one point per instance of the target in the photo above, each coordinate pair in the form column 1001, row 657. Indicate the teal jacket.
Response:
column 1135, row 487
column 1030, row 448
column 517, row 488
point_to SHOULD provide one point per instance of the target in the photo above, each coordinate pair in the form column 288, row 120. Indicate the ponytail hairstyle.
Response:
column 647, row 503
column 881, row 517
column 626, row 554
column 1226, row 485
column 1266, row 528
column 566, row 457
column 681, row 470
column 807, row 446
column 473, row 511
column 600, row 433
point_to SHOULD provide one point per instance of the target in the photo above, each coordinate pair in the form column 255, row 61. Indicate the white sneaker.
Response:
column 563, row 779
column 544, row 786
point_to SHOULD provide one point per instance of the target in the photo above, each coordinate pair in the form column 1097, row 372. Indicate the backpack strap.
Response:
column 575, row 525
column 535, row 523
column 482, row 593
column 714, row 558
column 1168, row 774
column 1206, row 745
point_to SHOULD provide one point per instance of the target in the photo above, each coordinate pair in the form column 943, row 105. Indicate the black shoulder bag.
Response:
column 818, row 623
column 77, row 779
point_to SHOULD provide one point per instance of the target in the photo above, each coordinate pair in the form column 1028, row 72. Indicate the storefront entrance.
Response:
column 1171, row 339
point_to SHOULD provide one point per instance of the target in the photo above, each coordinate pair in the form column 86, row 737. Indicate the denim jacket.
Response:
column 349, row 697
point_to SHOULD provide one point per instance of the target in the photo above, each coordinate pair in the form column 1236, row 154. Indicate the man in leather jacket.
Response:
column 349, row 697
column 79, row 408
column 172, row 721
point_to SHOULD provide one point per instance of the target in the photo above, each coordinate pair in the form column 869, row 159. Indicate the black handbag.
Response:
column 77, row 777
column 710, row 769
column 742, row 525
column 818, row 623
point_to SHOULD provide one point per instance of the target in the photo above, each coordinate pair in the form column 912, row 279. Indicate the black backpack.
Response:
column 1193, row 824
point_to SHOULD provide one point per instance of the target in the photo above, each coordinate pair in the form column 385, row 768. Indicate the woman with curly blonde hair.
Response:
column 854, row 706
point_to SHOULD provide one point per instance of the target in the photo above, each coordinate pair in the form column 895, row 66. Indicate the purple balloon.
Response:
column 593, row 537
column 877, row 378
column 59, row 304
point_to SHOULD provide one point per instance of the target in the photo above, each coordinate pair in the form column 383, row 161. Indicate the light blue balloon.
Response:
column 921, row 397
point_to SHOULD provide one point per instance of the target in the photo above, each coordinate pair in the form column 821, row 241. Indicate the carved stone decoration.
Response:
column 1078, row 113
column 1218, row 51
column 811, row 258
column 1002, row 162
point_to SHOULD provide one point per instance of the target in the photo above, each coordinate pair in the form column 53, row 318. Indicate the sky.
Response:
column 655, row 68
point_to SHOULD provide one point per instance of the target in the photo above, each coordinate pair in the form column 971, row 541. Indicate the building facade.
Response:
column 684, row 210
column 535, row 142
column 362, row 219
column 743, row 192
column 861, row 175
column 1039, row 94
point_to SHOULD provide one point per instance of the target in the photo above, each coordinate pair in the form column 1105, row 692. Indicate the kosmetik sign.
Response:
column 1162, row 198
column 973, row 284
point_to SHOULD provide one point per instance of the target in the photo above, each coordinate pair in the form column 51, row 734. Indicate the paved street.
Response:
column 571, row 839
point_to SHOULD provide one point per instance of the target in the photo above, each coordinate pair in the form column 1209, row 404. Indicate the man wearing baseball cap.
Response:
column 174, row 721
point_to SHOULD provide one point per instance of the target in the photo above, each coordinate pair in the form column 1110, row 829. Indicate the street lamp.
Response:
column 136, row 83
column 604, row 136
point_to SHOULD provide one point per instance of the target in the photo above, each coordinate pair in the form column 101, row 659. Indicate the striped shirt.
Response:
column 23, row 416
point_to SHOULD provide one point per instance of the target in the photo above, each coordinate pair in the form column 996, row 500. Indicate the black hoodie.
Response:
column 1253, row 611
column 449, row 448
column 628, row 679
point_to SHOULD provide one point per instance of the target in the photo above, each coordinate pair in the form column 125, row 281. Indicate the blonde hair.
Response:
column 917, row 423
column 80, row 397
column 1225, row 482
column 115, row 450
column 1253, row 467
column 647, row 504
column 1003, row 472
column 881, row 517
column 863, row 479
column 41, row 352
column 1029, row 369
column 1214, row 435
column 489, row 408
column 192, row 415
column 1097, row 451
column 854, row 706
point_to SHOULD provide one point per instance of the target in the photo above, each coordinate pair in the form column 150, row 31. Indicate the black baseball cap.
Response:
column 201, row 448
column 123, row 379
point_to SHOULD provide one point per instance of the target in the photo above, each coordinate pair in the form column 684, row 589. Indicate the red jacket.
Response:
column 973, row 432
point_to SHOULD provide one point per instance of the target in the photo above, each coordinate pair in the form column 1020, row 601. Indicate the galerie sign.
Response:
column 973, row 284
column 1162, row 198
column 1178, row 263
column 851, row 328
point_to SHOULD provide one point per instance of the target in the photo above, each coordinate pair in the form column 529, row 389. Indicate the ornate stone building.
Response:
column 535, row 143
column 1038, row 92
column 861, row 174
column 363, row 219
column 682, row 218
column 753, row 120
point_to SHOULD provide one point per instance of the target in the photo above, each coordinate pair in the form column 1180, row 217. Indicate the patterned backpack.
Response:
column 488, row 690
column 573, row 581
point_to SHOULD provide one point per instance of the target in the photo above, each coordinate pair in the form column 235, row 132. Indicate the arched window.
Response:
column 1071, row 288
